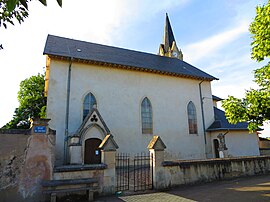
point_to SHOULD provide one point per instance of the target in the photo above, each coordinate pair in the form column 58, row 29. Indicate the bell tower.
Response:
column 168, row 47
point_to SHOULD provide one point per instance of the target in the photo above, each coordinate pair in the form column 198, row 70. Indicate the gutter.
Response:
column 203, row 120
column 67, row 112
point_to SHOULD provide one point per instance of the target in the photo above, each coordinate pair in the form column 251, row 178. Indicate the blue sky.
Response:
column 213, row 36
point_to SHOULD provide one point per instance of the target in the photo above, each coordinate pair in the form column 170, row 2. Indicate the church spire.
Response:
column 168, row 47
column 168, row 37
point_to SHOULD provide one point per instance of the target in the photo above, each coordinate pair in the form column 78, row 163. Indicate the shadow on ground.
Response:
column 256, row 188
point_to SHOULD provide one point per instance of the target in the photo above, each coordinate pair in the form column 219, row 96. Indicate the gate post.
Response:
column 156, row 148
column 108, row 149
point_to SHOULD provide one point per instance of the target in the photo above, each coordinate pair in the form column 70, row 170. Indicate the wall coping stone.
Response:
column 185, row 163
column 156, row 143
column 108, row 144
column 21, row 132
column 15, row 131
column 73, row 168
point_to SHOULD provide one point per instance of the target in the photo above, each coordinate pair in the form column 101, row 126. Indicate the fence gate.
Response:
column 134, row 176
column 142, row 172
column 122, row 172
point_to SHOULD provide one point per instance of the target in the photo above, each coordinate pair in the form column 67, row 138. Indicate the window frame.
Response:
column 192, row 118
column 146, row 116
column 91, row 97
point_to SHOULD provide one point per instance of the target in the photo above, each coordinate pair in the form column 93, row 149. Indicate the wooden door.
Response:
column 92, row 154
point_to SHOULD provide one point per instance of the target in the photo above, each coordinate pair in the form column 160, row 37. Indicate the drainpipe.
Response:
column 67, row 113
column 203, row 120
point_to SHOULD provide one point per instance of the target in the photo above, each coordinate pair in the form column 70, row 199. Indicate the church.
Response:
column 94, row 90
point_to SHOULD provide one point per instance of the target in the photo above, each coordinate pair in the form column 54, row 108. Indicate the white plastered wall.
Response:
column 119, row 94
column 239, row 143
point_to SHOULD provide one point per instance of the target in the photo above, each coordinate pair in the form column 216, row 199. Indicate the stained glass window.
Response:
column 192, row 118
column 147, row 119
column 88, row 103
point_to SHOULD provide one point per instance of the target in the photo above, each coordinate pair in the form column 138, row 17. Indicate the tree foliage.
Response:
column 255, row 107
column 260, row 33
column 32, row 102
column 16, row 9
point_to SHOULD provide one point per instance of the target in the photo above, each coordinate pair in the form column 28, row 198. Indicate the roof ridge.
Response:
column 64, row 48
column 110, row 46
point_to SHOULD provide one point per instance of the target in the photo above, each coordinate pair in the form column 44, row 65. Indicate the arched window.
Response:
column 192, row 118
column 146, row 113
column 88, row 103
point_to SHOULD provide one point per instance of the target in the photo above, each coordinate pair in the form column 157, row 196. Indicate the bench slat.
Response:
column 55, row 183
column 69, row 190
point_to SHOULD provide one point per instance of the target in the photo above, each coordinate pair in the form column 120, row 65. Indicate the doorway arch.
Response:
column 92, row 154
column 216, row 146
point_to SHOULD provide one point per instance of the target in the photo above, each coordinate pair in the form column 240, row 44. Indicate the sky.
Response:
column 213, row 36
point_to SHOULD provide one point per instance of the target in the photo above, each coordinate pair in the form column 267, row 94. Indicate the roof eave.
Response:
column 230, row 129
column 226, row 129
column 84, row 61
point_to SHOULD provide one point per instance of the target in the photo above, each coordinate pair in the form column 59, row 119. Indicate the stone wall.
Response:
column 197, row 171
column 11, row 159
column 26, row 158
column 168, row 174
column 264, row 145
column 264, row 151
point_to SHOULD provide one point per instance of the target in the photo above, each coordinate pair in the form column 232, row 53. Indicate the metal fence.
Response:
column 137, row 176
column 122, row 172
column 143, row 173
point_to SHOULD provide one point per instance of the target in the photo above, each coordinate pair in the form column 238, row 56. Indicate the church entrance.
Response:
column 92, row 153
column 216, row 145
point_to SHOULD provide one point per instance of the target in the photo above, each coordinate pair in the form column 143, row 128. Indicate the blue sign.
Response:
column 39, row 129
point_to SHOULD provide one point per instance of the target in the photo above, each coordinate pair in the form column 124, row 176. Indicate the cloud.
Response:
column 100, row 21
column 210, row 46
column 235, row 61
column 147, row 8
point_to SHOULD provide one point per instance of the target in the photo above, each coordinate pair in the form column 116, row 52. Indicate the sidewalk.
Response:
column 256, row 188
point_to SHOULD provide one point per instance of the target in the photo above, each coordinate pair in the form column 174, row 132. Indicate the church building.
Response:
column 93, row 90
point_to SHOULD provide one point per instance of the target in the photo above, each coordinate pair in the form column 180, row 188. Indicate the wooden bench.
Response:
column 54, row 187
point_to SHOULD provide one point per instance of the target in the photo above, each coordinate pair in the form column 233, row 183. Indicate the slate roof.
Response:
column 221, row 123
column 64, row 48
column 216, row 98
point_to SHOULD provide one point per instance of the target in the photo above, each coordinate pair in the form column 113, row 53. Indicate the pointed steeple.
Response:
column 168, row 47
column 168, row 37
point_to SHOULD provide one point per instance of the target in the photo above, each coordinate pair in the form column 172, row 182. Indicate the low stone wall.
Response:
column 26, row 158
column 196, row 171
column 13, row 145
column 265, row 151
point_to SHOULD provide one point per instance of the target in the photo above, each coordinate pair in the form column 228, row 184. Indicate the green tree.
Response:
column 254, row 108
column 32, row 102
column 16, row 9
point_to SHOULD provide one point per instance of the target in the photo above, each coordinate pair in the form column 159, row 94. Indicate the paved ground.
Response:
column 249, row 189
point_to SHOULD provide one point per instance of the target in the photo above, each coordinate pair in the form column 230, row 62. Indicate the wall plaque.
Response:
column 39, row 129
